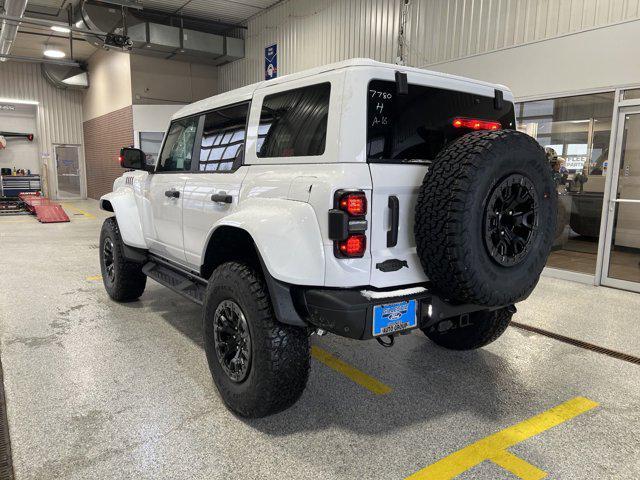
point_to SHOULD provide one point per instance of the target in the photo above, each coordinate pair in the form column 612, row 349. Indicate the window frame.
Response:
column 333, row 152
column 195, row 167
column 193, row 149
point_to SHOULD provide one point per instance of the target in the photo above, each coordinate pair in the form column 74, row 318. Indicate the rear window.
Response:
column 416, row 126
column 294, row 123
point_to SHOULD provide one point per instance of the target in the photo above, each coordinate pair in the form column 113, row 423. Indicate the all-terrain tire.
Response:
column 471, row 331
column 125, row 282
column 451, row 217
column 279, row 361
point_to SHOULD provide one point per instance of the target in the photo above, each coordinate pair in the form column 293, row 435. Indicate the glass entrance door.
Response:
column 68, row 171
column 621, row 266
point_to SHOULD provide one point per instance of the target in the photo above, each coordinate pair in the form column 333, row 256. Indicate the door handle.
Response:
column 394, row 219
column 221, row 197
column 172, row 194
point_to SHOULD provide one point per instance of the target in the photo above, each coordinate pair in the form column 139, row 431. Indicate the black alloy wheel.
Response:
column 511, row 220
column 259, row 365
column 123, row 279
column 232, row 340
column 107, row 256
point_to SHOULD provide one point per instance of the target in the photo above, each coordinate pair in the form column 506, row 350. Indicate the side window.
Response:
column 294, row 123
column 223, row 135
column 178, row 148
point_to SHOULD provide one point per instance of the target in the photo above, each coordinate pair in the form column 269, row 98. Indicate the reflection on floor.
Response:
column 68, row 193
column 625, row 266
column 579, row 254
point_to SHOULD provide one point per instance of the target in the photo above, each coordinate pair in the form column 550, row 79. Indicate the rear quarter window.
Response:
column 294, row 123
column 416, row 126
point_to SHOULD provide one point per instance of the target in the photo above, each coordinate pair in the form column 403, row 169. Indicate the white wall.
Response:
column 153, row 118
column 20, row 153
column 314, row 32
column 59, row 117
column 596, row 59
column 452, row 29
column 159, row 81
column 109, row 83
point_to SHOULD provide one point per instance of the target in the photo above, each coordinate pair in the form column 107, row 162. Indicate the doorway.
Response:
column 621, row 260
column 68, row 175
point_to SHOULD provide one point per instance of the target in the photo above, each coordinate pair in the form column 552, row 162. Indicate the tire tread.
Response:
column 130, row 282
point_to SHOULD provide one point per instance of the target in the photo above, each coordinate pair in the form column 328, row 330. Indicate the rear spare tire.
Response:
column 486, row 218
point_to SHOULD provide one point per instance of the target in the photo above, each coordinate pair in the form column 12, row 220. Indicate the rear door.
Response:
column 166, row 190
column 405, row 132
column 212, row 189
column 393, row 249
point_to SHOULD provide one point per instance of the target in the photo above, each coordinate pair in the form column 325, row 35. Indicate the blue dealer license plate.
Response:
column 394, row 317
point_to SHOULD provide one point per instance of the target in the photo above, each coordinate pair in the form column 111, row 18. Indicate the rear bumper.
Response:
column 349, row 312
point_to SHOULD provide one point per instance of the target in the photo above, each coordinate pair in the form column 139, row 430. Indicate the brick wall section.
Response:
column 103, row 138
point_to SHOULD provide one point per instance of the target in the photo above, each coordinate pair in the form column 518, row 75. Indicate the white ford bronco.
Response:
column 360, row 198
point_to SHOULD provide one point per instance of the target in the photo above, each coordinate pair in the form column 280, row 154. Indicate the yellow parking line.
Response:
column 494, row 447
column 94, row 278
column 347, row 370
column 519, row 467
column 86, row 214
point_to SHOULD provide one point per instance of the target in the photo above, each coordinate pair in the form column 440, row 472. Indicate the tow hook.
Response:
column 387, row 344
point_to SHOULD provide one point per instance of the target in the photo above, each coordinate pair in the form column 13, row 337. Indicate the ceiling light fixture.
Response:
column 60, row 28
column 53, row 53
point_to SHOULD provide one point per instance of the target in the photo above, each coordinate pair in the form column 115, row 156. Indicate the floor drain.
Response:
column 6, row 465
column 579, row 343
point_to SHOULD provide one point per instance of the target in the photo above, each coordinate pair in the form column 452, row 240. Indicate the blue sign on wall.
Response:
column 271, row 61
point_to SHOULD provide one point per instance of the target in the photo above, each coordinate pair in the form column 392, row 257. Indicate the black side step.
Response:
column 182, row 282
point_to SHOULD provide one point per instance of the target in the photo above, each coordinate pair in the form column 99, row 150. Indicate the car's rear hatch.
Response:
column 405, row 132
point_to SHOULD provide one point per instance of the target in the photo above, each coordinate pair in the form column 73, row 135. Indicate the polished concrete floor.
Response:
column 99, row 390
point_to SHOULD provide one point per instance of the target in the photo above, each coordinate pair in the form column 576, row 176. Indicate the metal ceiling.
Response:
column 228, row 11
column 31, row 40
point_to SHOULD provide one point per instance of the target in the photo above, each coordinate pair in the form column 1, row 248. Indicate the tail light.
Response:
column 353, row 246
column 476, row 124
column 354, row 203
column 347, row 223
column 121, row 160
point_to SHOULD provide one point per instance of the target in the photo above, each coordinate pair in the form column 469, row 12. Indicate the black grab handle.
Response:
column 221, row 198
column 394, row 218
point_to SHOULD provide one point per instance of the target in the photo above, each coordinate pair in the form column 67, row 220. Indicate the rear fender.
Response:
column 287, row 236
column 122, row 202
